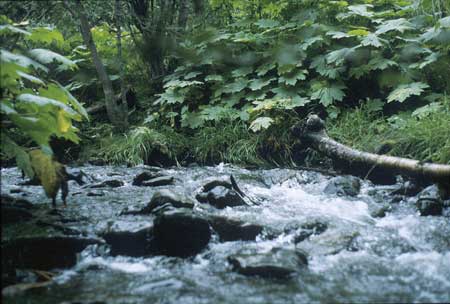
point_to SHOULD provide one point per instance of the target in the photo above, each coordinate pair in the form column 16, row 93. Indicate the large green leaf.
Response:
column 44, row 101
column 261, row 123
column 327, row 93
column 402, row 92
column 47, row 56
column 21, row 60
column 399, row 25
column 46, row 35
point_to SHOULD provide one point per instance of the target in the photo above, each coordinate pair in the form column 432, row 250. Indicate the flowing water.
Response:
column 402, row 257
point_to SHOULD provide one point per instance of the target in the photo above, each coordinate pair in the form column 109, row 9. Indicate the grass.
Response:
column 425, row 139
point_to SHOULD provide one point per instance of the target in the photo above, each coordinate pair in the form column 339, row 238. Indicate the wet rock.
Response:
column 12, row 214
column 221, row 197
column 381, row 243
column 408, row 188
column 166, row 197
column 43, row 253
column 277, row 263
column 16, row 202
column 343, row 185
column 329, row 243
column 130, row 243
column 159, row 181
column 112, row 183
column 379, row 210
column 232, row 230
column 144, row 176
column 95, row 193
column 306, row 230
column 15, row 210
column 429, row 202
column 181, row 233
column 215, row 183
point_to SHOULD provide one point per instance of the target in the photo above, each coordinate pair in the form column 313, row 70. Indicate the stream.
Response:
column 305, row 241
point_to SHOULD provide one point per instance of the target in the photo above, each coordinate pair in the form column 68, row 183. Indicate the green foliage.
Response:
column 262, row 71
column 35, row 104
column 424, row 136
column 137, row 146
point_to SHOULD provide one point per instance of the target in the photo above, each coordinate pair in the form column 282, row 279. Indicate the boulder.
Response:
column 343, row 185
column 221, row 197
column 166, row 197
column 181, row 233
column 306, row 230
column 233, row 230
column 158, row 181
column 144, row 176
column 112, row 183
column 43, row 253
column 15, row 210
column 379, row 210
column 130, row 243
column 429, row 201
column 277, row 263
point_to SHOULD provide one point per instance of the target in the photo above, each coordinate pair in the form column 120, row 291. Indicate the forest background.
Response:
column 176, row 82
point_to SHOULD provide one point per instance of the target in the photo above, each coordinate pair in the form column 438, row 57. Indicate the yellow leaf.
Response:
column 47, row 171
column 359, row 32
column 64, row 123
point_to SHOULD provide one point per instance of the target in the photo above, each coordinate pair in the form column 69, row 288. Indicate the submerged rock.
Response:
column 112, row 183
column 181, row 233
column 15, row 210
column 343, row 185
column 379, row 210
column 44, row 252
column 429, row 202
column 232, row 230
column 131, row 243
column 167, row 198
column 144, row 176
column 277, row 263
column 158, row 181
column 221, row 197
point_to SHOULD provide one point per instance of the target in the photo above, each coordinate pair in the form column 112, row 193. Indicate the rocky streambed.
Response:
column 194, row 235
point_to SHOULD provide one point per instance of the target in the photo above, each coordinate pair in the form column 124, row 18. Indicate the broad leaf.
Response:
column 261, row 123
column 326, row 94
column 402, row 92
column 47, row 56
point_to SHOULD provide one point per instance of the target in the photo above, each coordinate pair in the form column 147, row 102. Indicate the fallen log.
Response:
column 312, row 133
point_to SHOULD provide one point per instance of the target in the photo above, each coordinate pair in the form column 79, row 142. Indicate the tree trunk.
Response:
column 123, row 98
column 313, row 134
column 116, row 115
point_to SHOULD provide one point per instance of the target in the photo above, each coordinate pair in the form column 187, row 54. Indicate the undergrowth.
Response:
column 425, row 138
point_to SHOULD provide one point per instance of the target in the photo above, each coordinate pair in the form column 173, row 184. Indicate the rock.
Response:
column 343, row 185
column 218, row 182
column 221, row 197
column 379, row 210
column 277, row 263
column 329, row 243
column 305, row 230
column 15, row 210
column 144, row 176
column 429, row 202
column 16, row 202
column 232, row 230
column 166, row 197
column 181, row 233
column 130, row 243
column 159, row 181
column 112, row 183
column 95, row 193
column 43, row 253
column 408, row 188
